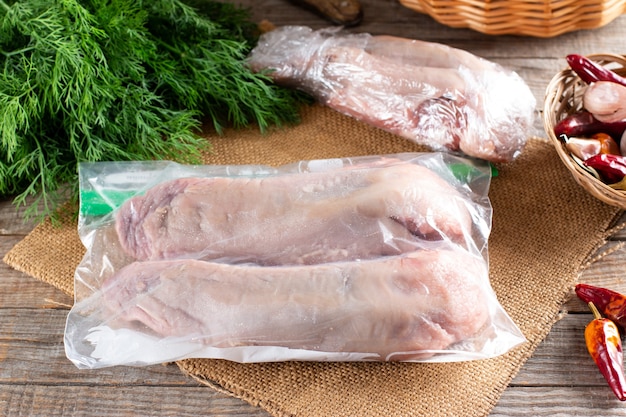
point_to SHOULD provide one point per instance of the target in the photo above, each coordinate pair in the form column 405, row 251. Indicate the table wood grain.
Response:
column 559, row 379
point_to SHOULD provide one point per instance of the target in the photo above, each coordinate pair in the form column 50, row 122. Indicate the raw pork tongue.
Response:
column 394, row 308
column 430, row 93
column 305, row 218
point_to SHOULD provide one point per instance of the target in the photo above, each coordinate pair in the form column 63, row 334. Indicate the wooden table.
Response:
column 559, row 379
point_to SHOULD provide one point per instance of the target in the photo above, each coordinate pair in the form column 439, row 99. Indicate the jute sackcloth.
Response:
column 536, row 252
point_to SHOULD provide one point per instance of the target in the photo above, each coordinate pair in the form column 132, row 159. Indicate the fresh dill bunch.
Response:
column 190, row 47
column 106, row 80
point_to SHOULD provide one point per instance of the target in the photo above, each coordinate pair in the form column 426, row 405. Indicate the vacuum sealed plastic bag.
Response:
column 366, row 258
column 435, row 95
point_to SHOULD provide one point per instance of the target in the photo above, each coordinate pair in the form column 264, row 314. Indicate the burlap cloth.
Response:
column 545, row 227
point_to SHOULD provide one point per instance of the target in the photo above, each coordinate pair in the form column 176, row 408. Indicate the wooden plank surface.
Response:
column 559, row 379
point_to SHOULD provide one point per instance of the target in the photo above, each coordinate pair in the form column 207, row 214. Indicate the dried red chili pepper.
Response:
column 612, row 168
column 590, row 71
column 583, row 124
column 611, row 303
column 605, row 347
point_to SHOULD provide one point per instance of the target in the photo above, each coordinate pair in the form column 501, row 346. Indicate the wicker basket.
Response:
column 539, row 18
column 563, row 97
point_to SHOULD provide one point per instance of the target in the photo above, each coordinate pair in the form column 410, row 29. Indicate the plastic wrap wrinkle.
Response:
column 442, row 97
column 368, row 258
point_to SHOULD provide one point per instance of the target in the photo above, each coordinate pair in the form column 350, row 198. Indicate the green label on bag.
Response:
column 98, row 203
column 463, row 172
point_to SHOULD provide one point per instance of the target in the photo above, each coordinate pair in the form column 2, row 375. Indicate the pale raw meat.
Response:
column 305, row 218
column 430, row 93
column 394, row 308
column 423, row 54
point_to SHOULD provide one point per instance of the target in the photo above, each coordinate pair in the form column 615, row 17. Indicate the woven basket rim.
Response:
column 542, row 19
column 559, row 101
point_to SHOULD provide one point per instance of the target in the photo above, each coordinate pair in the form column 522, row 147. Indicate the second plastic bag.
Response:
column 435, row 95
